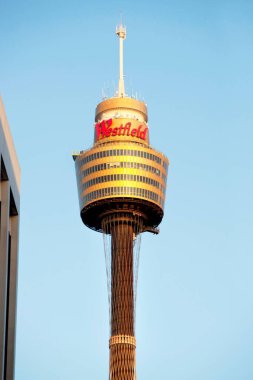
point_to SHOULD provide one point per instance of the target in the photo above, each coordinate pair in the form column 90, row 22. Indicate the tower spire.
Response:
column 121, row 33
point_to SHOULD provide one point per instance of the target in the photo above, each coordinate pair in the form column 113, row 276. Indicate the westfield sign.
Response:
column 105, row 129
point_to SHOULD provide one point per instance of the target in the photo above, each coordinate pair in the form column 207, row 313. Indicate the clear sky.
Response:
column 192, row 62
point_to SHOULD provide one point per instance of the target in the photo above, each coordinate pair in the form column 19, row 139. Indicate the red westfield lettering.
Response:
column 104, row 129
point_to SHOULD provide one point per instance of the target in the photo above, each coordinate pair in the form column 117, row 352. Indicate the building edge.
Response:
column 9, row 238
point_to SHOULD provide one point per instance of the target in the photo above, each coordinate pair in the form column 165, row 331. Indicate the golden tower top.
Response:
column 121, row 118
column 121, row 171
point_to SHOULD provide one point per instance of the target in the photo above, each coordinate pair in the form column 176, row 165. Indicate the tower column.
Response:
column 122, row 304
column 122, row 342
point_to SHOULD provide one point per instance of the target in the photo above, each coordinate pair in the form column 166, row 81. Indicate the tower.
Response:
column 121, row 184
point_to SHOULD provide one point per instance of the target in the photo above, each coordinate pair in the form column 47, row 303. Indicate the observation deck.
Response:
column 121, row 171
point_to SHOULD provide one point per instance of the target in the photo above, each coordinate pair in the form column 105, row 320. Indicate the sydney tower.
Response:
column 121, row 184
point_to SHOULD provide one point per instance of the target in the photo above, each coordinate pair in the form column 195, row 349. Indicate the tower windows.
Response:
column 122, row 191
column 132, row 165
column 122, row 177
column 122, row 152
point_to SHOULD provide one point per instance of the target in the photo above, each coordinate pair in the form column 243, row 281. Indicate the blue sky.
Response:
column 191, row 61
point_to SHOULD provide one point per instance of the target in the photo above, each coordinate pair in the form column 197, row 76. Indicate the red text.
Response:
column 105, row 129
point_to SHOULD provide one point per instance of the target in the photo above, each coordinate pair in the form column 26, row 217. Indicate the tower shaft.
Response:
column 122, row 361
column 122, row 315
column 122, row 341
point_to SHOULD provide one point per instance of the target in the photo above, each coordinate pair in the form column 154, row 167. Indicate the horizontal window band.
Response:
column 125, row 191
column 141, row 153
column 124, row 179
column 156, row 170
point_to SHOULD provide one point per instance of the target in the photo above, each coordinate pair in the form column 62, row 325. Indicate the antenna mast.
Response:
column 121, row 33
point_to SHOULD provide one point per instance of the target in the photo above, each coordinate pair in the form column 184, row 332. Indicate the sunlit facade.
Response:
column 9, row 231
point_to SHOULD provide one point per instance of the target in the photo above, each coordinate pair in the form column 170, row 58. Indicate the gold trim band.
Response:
column 122, row 339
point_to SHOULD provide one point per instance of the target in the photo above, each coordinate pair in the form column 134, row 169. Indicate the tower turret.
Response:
column 121, row 184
